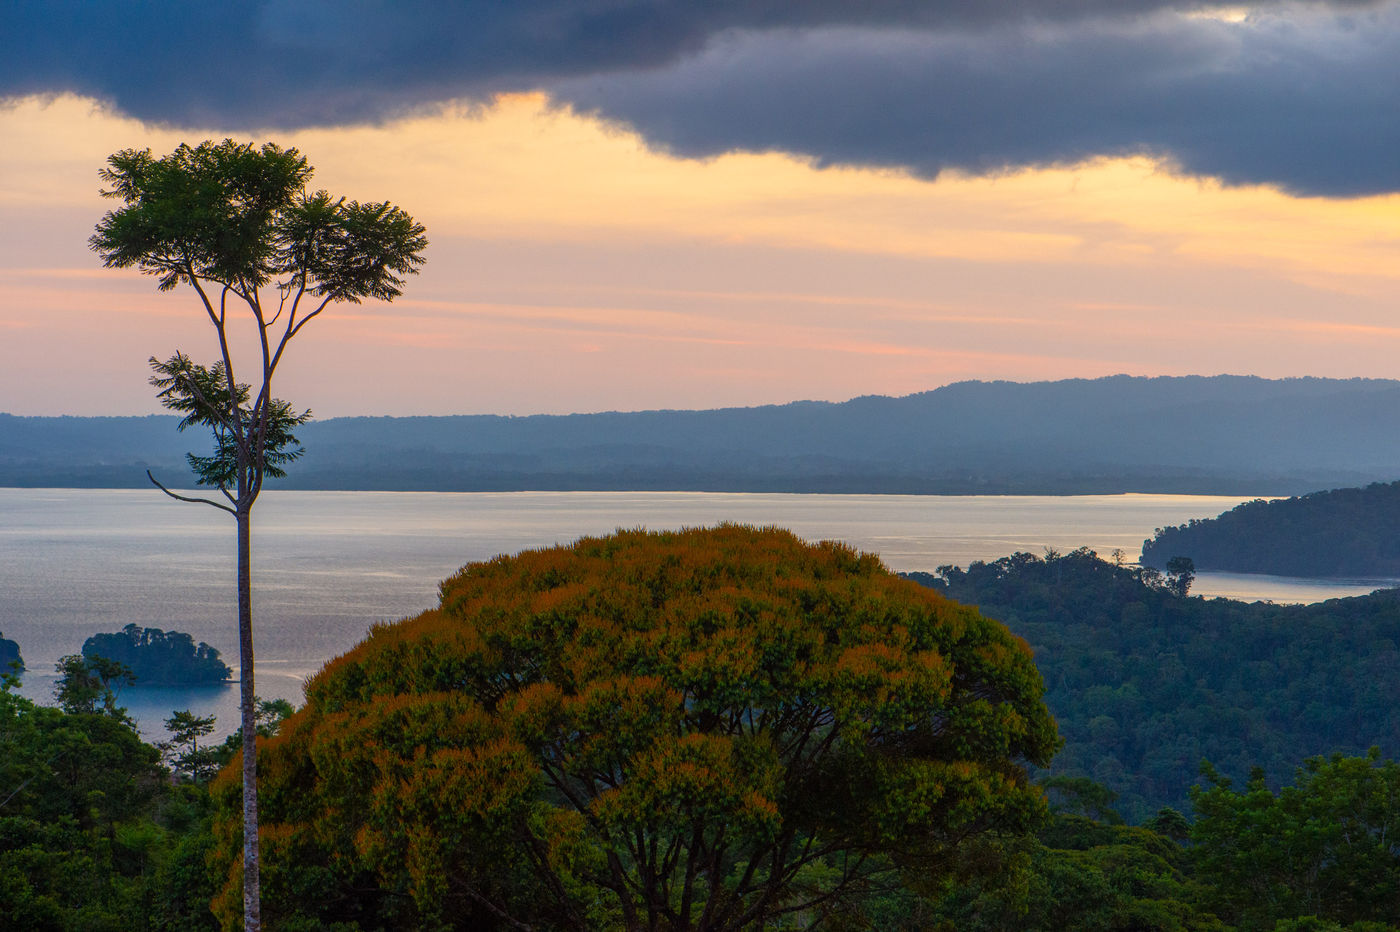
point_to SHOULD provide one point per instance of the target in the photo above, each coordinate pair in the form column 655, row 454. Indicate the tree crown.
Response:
column 710, row 727
column 241, row 216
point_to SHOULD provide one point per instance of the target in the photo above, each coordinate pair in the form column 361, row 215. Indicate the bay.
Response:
column 328, row 565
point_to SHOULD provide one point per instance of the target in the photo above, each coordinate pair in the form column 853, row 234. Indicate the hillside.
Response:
column 1145, row 684
column 1341, row 532
column 1222, row 434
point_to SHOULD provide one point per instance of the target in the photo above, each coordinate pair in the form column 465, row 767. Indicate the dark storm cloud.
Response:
column 926, row 84
column 1308, row 102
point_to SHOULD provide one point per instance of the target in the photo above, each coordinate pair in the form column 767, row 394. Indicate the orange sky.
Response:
column 574, row 269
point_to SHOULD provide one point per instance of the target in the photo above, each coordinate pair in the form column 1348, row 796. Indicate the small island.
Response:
column 9, row 655
column 160, row 658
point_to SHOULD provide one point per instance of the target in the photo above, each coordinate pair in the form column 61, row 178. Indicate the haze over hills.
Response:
column 1222, row 434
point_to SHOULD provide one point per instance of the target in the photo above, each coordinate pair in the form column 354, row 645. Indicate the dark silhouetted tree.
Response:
column 183, row 751
column 1181, row 572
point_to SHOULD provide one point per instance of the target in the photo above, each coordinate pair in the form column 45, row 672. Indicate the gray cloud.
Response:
column 1310, row 102
column 1306, row 99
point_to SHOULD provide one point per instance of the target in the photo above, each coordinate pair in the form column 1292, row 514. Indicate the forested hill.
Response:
column 1145, row 683
column 1222, row 434
column 1341, row 532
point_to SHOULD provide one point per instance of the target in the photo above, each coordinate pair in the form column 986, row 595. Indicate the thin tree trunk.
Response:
column 252, row 900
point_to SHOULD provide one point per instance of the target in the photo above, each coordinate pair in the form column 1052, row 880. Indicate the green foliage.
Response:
column 1145, row 685
column 268, row 716
column 186, row 757
column 229, row 219
column 202, row 394
column 1327, row 847
column 154, row 657
column 1181, row 572
column 240, row 215
column 715, row 729
column 1342, row 532
column 203, row 212
column 81, row 844
column 86, row 685
column 1089, row 877
column 1314, row 924
column 180, row 880
column 1082, row 796
column 1170, row 823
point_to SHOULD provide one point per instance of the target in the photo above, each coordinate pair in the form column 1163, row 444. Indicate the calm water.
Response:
column 327, row 565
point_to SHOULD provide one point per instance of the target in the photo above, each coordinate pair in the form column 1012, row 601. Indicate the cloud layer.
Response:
column 1308, row 102
column 1303, row 96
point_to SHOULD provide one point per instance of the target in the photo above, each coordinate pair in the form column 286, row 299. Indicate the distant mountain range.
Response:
column 1221, row 434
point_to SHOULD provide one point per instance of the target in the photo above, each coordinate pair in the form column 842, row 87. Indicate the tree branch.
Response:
column 185, row 498
column 292, row 331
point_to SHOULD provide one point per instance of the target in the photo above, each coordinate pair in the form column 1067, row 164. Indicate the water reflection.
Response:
column 1258, row 587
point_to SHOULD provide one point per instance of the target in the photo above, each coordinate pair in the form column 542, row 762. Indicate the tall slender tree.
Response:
column 237, row 224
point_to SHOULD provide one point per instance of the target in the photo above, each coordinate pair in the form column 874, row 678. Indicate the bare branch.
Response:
column 293, row 330
column 184, row 498
column 282, row 291
column 301, row 290
column 217, row 319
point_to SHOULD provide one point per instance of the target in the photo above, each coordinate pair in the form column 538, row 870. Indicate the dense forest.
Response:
column 160, row 658
column 1341, row 532
column 789, row 733
column 1146, row 683
column 100, row 832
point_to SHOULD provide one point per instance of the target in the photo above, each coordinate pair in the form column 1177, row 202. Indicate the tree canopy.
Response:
column 1145, row 684
column 1327, row 846
column 76, row 792
column 203, row 395
column 239, row 216
column 88, row 685
column 709, row 729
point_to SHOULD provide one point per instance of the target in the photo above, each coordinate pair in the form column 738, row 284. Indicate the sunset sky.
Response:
column 647, row 204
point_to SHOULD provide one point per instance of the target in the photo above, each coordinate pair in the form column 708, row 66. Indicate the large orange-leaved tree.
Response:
column 705, row 730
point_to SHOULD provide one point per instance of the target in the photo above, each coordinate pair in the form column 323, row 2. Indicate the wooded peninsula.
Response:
column 1341, row 532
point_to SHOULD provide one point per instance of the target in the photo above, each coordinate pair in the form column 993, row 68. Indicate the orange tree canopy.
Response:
column 706, row 729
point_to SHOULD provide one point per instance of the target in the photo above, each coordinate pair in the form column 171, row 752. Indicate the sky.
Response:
column 639, row 204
